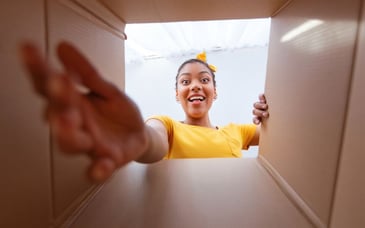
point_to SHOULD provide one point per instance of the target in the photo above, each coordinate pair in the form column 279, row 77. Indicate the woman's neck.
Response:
column 202, row 122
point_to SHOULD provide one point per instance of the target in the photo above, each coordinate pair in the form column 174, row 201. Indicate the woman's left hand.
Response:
column 260, row 110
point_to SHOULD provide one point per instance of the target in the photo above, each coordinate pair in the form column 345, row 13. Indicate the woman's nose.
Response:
column 196, row 87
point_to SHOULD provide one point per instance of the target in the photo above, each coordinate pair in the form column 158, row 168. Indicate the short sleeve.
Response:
column 247, row 133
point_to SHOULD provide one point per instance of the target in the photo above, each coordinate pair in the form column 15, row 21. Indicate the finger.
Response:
column 36, row 66
column 259, row 105
column 75, row 62
column 65, row 115
column 101, row 169
column 262, row 98
column 256, row 120
column 63, row 100
column 62, row 93
column 260, row 113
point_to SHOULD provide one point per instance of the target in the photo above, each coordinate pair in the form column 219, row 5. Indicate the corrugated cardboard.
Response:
column 311, row 146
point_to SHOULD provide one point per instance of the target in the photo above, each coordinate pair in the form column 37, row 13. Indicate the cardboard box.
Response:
column 308, row 174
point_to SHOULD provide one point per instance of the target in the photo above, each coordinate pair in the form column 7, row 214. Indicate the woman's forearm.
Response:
column 157, row 146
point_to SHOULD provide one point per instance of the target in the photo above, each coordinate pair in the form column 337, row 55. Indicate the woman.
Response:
column 106, row 125
column 196, row 136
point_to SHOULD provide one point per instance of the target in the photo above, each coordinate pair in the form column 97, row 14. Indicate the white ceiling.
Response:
column 175, row 39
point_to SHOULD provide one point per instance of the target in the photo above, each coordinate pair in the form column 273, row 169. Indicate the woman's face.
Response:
column 195, row 90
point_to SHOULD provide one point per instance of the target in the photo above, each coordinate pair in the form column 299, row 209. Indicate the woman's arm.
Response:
column 256, row 138
column 158, row 144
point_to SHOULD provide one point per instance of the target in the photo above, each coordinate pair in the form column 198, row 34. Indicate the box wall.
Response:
column 25, row 192
column 105, row 50
column 307, row 87
column 349, row 204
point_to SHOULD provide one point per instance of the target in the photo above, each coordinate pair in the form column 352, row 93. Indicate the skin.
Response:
column 196, row 80
column 104, row 123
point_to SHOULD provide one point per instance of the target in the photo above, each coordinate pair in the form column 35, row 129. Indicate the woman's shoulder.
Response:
column 165, row 119
column 160, row 117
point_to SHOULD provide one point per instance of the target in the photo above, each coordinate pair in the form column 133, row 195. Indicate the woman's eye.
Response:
column 205, row 80
column 185, row 82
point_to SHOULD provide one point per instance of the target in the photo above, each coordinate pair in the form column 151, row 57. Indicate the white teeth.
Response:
column 196, row 98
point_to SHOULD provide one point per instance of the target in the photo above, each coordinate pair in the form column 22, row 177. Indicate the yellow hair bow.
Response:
column 203, row 57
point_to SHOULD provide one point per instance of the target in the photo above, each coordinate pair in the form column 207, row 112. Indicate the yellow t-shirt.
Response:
column 189, row 141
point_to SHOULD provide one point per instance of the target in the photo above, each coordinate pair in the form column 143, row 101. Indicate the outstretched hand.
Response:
column 260, row 110
column 101, row 122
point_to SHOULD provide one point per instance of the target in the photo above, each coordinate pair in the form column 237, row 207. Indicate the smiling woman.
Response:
column 196, row 136
column 240, row 78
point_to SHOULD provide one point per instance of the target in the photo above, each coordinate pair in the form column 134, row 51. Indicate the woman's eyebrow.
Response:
column 185, row 73
column 204, row 72
column 189, row 74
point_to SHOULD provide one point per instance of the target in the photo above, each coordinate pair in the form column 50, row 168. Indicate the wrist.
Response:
column 145, row 156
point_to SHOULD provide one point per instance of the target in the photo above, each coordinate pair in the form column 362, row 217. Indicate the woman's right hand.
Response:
column 102, row 123
column 260, row 110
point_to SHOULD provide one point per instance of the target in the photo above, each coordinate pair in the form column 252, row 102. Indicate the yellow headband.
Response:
column 203, row 57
